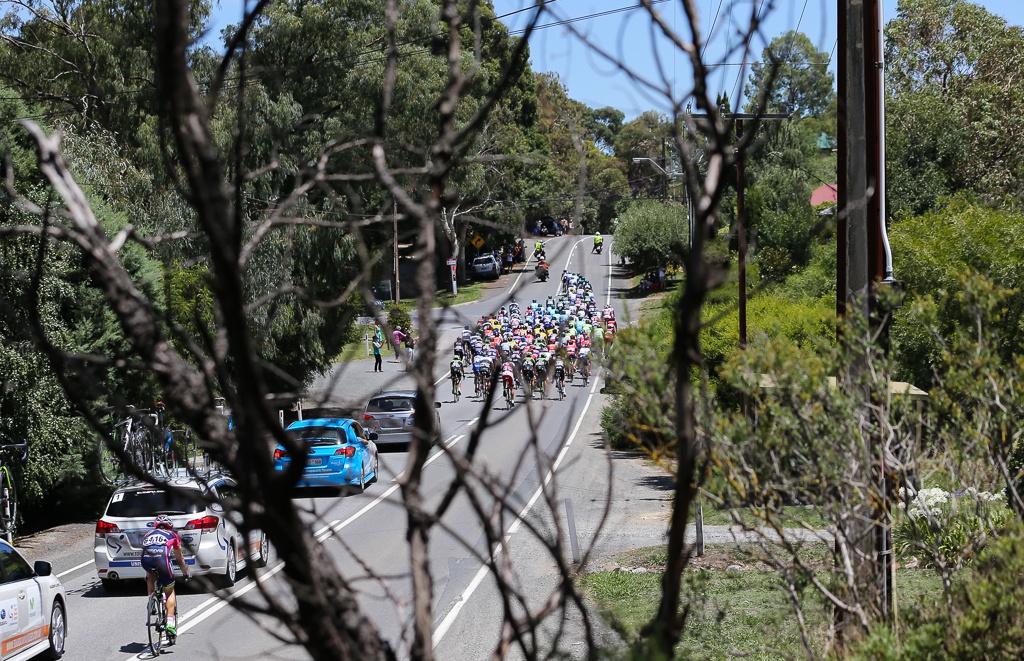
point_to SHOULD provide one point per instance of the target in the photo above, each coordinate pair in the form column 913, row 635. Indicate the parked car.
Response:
column 390, row 414
column 212, row 541
column 33, row 608
column 486, row 266
column 342, row 453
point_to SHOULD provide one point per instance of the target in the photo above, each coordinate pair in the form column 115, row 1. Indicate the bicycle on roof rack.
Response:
column 8, row 491
column 144, row 441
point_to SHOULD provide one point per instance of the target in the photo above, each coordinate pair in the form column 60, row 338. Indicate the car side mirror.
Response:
column 372, row 436
column 437, row 405
column 42, row 568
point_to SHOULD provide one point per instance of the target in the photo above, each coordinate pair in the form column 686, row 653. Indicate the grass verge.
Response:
column 743, row 611
column 791, row 515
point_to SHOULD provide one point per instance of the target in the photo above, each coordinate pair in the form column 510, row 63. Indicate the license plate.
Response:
column 315, row 461
column 390, row 423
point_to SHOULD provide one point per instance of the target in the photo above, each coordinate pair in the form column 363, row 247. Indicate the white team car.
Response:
column 33, row 615
column 211, row 542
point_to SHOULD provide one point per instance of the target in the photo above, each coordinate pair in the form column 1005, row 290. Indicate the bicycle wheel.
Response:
column 110, row 466
column 140, row 450
column 156, row 621
column 9, row 504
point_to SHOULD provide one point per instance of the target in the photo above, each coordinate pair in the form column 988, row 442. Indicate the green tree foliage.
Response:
column 647, row 136
column 798, row 74
column 933, row 252
column 91, row 62
column 651, row 234
column 951, row 114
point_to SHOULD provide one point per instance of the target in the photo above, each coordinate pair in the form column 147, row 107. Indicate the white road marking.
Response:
column 217, row 604
column 560, row 280
column 75, row 568
column 450, row 618
column 214, row 604
column 336, row 526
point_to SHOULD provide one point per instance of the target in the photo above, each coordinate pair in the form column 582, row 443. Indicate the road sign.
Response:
column 451, row 262
column 477, row 241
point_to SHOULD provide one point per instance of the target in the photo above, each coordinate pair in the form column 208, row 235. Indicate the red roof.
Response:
column 825, row 193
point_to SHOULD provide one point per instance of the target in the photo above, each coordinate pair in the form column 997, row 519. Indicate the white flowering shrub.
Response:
column 947, row 529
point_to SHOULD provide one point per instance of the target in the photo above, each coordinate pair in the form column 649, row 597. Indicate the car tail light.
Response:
column 279, row 454
column 204, row 524
column 367, row 416
column 104, row 527
column 347, row 451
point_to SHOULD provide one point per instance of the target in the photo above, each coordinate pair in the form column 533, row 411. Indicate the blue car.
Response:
column 342, row 454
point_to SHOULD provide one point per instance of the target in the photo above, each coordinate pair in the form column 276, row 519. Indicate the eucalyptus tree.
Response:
column 290, row 146
column 950, row 114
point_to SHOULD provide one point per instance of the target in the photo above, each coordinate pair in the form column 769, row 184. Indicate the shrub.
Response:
column 947, row 529
column 398, row 317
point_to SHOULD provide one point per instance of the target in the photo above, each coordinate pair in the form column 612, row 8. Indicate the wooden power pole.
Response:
column 861, row 266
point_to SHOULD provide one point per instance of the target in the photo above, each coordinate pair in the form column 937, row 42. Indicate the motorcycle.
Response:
column 542, row 273
column 539, row 254
column 598, row 247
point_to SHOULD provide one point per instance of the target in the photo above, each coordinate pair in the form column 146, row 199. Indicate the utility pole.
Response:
column 864, row 263
column 398, row 284
column 741, row 222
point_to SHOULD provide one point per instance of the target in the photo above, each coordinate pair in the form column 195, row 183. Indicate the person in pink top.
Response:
column 398, row 336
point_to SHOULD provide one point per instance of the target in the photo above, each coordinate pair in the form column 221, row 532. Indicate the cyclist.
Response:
column 508, row 378
column 598, row 241
column 157, row 546
column 560, row 375
column 484, row 374
column 528, row 373
column 458, row 373
column 584, row 363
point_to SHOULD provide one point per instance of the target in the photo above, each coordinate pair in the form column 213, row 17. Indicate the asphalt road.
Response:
column 365, row 534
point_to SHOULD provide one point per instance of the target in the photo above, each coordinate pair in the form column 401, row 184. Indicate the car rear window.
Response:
column 389, row 404
column 482, row 260
column 150, row 502
column 318, row 435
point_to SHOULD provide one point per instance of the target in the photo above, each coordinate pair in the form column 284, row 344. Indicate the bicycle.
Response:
column 9, row 494
column 456, row 391
column 560, row 386
column 156, row 622
column 509, row 396
column 133, row 442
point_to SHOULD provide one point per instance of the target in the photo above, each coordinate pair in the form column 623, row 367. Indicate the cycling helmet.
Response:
column 163, row 521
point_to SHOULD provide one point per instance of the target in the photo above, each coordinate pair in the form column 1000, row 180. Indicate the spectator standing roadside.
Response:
column 398, row 336
column 378, row 343
column 410, row 354
column 378, row 333
column 661, row 277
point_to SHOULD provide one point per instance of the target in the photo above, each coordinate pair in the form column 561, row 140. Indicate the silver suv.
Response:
column 211, row 541
column 390, row 414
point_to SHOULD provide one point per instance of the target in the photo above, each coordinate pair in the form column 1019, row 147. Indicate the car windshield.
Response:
column 318, row 435
column 150, row 502
column 482, row 260
column 389, row 404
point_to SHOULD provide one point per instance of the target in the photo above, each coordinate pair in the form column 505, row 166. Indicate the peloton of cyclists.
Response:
column 527, row 346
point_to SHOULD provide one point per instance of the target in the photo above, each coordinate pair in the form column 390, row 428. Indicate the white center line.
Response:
column 449, row 619
column 214, row 604
column 75, row 568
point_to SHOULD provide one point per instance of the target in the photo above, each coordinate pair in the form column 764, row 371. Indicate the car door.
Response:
column 358, row 435
column 21, row 604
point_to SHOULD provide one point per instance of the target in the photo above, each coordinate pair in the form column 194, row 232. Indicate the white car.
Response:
column 33, row 615
column 211, row 542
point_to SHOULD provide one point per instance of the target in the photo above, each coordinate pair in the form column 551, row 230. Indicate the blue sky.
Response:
column 624, row 33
